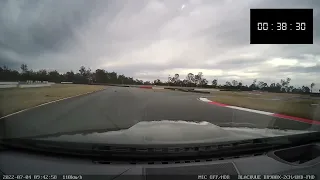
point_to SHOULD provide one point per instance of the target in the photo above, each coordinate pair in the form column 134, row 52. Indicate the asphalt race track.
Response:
column 121, row 107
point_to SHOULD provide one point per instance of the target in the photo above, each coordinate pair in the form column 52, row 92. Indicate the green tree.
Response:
column 228, row 84
column 198, row 78
column 305, row 89
column 214, row 83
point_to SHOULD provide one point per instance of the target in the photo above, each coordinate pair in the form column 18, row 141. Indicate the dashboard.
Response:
column 301, row 162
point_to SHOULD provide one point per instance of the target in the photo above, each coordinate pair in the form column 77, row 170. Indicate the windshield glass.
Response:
column 152, row 72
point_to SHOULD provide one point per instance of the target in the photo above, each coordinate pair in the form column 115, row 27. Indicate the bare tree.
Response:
column 24, row 68
column 312, row 85
column 253, row 85
column 190, row 78
column 176, row 79
column 285, row 84
column 234, row 83
column 254, row 81
column 82, row 71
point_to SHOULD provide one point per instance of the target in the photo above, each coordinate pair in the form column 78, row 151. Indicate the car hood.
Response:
column 172, row 132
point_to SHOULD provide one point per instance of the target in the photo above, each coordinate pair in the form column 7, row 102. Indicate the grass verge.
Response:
column 16, row 99
column 258, row 95
column 292, row 107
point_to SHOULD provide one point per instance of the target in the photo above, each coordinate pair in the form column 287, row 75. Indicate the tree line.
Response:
column 83, row 76
column 87, row 76
column 197, row 80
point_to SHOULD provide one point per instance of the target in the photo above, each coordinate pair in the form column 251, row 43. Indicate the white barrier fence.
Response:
column 33, row 85
column 26, row 84
column 9, row 83
column 207, row 89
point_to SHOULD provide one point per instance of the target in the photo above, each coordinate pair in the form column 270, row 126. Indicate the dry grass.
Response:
column 257, row 94
column 293, row 107
column 16, row 99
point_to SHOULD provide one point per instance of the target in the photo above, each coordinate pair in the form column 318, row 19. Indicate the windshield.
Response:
column 154, row 72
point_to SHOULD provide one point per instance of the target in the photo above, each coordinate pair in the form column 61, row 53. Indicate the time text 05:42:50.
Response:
column 281, row 26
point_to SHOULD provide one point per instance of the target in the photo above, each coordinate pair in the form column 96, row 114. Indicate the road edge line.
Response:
column 293, row 118
column 277, row 115
column 8, row 115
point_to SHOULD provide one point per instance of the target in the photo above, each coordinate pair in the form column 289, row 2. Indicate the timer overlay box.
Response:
column 281, row 26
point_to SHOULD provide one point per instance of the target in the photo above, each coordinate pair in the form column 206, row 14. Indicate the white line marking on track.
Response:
column 47, row 103
column 240, row 108
column 251, row 110
column 204, row 99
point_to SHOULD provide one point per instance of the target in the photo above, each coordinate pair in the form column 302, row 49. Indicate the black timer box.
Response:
column 281, row 26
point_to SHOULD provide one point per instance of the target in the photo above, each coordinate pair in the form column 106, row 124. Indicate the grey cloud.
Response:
column 300, row 69
column 34, row 27
column 235, row 64
column 67, row 34
column 10, row 64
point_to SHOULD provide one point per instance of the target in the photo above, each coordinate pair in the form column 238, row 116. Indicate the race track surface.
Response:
column 121, row 107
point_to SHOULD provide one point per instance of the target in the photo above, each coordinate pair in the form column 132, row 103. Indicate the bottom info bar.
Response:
column 196, row 177
column 258, row 177
column 160, row 177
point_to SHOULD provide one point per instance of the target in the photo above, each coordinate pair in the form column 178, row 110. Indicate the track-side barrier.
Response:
column 146, row 87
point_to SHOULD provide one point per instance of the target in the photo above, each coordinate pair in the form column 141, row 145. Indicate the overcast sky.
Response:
column 150, row 39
